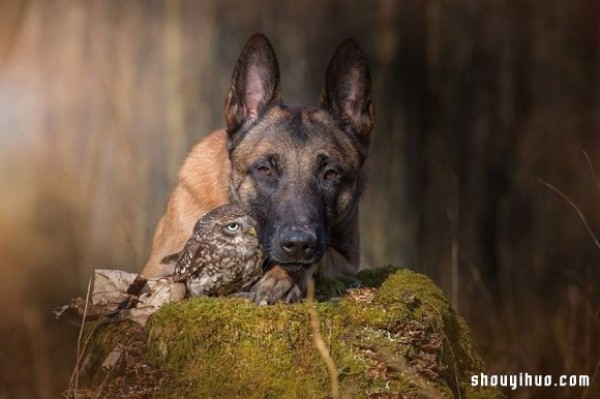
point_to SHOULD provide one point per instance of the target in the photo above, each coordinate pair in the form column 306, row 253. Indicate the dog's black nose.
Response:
column 298, row 244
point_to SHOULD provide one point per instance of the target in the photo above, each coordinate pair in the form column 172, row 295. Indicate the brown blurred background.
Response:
column 475, row 101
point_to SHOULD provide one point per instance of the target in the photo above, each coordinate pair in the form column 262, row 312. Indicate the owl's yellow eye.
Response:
column 233, row 226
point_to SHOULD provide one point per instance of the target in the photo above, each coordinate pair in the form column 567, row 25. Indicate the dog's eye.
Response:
column 233, row 226
column 265, row 170
column 330, row 174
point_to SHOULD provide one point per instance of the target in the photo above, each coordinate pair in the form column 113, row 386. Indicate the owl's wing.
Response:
column 190, row 259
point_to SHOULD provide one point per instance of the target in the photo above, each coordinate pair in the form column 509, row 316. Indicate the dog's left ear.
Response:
column 347, row 91
column 254, row 85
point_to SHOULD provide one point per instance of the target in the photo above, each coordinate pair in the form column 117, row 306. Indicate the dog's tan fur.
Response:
column 203, row 185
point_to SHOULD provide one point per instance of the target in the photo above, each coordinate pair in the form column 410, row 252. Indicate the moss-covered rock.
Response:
column 400, row 340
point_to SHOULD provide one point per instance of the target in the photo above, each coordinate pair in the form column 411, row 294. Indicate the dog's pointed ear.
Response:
column 347, row 91
column 254, row 85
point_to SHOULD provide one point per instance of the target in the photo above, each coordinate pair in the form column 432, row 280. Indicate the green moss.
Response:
column 327, row 288
column 403, row 338
column 246, row 350
column 417, row 302
column 373, row 278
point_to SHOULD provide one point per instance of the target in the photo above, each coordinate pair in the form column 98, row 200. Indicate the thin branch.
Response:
column 454, row 363
column 591, row 166
column 589, row 388
column 319, row 342
column 75, row 376
column 108, row 375
column 575, row 207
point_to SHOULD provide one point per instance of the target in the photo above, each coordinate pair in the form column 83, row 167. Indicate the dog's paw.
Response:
column 279, row 285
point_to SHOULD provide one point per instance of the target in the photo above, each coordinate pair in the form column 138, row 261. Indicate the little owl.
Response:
column 223, row 255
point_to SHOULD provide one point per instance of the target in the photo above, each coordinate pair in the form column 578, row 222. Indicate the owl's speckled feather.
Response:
column 223, row 255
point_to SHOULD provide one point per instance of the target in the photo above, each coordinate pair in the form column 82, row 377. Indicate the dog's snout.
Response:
column 298, row 244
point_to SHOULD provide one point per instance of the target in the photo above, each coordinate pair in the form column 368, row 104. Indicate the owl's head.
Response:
column 228, row 220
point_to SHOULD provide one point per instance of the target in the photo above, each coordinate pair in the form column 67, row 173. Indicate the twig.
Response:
column 574, row 206
column 108, row 375
column 454, row 363
column 320, row 343
column 587, row 391
column 75, row 376
column 591, row 165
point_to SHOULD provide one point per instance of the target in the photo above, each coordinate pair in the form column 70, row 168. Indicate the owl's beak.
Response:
column 252, row 231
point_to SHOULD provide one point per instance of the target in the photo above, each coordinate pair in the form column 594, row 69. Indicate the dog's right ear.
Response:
column 254, row 85
column 347, row 91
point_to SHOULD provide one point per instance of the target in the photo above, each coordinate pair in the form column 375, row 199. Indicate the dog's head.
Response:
column 297, row 169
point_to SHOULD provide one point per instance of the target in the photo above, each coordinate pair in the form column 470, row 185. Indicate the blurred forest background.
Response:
column 475, row 102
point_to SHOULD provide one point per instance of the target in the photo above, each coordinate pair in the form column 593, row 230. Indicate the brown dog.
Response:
column 298, row 170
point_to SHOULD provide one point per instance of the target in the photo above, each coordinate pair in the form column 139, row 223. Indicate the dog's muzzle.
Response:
column 296, row 244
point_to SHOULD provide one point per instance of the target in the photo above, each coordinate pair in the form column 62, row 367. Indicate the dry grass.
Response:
column 320, row 343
